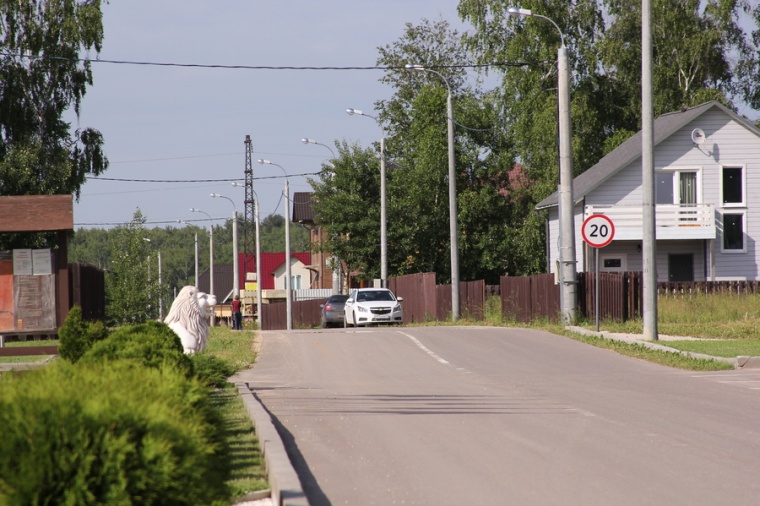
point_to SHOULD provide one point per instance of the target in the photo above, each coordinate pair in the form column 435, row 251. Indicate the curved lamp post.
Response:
column 336, row 275
column 306, row 140
column 196, row 253
column 383, row 218
column 160, row 301
column 453, row 227
column 210, row 256
column 567, row 275
column 235, row 268
column 288, row 294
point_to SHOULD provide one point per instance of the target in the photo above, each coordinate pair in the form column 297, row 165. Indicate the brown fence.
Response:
column 423, row 301
column 87, row 290
column 526, row 298
column 680, row 288
column 620, row 295
column 419, row 293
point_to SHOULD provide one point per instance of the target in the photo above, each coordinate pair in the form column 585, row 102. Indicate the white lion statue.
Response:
column 189, row 316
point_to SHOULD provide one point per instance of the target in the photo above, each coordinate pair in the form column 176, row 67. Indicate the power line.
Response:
column 226, row 180
column 263, row 67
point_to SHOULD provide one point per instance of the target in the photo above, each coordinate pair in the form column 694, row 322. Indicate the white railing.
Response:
column 695, row 221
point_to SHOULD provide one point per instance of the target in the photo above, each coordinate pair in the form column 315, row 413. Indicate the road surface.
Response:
column 480, row 415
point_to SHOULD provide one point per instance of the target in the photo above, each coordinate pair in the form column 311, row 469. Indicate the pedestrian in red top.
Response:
column 237, row 316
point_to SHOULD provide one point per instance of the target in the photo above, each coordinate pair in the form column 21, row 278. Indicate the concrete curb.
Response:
column 286, row 487
column 737, row 362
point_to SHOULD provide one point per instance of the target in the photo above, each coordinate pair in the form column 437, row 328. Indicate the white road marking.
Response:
column 423, row 348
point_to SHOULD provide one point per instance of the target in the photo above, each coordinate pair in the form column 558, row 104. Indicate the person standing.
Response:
column 237, row 315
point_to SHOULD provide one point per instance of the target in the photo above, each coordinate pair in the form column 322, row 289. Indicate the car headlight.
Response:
column 397, row 308
column 362, row 309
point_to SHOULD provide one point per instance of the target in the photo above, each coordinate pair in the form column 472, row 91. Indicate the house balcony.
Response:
column 695, row 221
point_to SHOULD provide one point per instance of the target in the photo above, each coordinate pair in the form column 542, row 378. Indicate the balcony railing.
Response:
column 694, row 221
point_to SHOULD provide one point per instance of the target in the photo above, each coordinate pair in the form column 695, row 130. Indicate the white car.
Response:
column 368, row 306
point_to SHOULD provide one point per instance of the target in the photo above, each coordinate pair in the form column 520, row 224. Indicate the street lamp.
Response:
column 258, row 254
column 336, row 279
column 453, row 228
column 306, row 140
column 160, row 302
column 383, row 220
column 210, row 256
column 235, row 269
column 288, row 281
column 567, row 267
column 196, row 253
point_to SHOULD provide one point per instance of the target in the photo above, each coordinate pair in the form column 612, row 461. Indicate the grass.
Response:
column 249, row 470
column 728, row 325
column 29, row 358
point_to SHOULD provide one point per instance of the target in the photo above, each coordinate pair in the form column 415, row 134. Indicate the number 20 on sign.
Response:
column 598, row 230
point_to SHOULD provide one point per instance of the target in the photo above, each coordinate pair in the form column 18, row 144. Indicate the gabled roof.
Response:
column 623, row 155
column 269, row 264
column 303, row 210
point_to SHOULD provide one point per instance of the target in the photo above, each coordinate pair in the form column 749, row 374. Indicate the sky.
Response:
column 181, row 124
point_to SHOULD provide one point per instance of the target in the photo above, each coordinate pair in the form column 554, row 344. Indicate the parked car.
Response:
column 332, row 311
column 367, row 306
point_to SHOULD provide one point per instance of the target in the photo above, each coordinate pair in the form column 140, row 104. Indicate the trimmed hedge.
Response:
column 77, row 336
column 116, row 433
column 152, row 344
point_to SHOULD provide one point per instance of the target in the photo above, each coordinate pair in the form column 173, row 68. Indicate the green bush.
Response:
column 116, row 433
column 211, row 370
column 76, row 336
column 153, row 344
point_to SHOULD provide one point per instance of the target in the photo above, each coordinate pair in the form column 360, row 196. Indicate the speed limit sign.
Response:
column 598, row 230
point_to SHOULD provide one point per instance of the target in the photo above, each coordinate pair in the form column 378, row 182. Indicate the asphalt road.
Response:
column 475, row 415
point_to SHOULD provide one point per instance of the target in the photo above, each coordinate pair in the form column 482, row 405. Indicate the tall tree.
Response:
column 710, row 59
column 132, row 290
column 491, row 215
column 347, row 197
column 44, row 72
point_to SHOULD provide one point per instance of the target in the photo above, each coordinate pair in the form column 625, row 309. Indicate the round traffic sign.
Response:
column 598, row 230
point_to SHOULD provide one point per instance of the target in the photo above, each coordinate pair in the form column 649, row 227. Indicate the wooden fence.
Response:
column 423, row 301
column 523, row 298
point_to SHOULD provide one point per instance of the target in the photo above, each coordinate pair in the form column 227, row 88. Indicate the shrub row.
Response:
column 129, row 423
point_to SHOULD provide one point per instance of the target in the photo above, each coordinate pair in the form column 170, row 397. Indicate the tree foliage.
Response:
column 347, row 197
column 132, row 289
column 506, row 137
column 43, row 74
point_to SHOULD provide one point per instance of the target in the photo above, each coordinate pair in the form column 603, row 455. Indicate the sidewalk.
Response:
column 660, row 344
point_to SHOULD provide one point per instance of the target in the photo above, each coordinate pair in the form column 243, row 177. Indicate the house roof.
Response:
column 303, row 211
column 622, row 156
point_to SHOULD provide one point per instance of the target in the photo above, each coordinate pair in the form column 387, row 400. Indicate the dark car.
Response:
column 332, row 311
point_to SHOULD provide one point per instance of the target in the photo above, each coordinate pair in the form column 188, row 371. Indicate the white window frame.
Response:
column 734, row 205
column 743, row 214
column 623, row 257
column 675, row 173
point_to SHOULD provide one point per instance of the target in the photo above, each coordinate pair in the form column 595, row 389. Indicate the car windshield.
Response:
column 337, row 299
column 374, row 295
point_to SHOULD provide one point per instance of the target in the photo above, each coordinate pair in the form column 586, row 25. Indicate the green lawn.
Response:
column 248, row 467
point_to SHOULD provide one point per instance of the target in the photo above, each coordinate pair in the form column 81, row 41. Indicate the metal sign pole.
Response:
column 596, row 288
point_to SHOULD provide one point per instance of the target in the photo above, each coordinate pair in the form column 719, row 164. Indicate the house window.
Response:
column 295, row 282
column 613, row 263
column 732, row 186
column 677, row 186
column 734, row 225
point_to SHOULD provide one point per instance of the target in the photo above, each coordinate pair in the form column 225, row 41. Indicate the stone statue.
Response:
column 189, row 318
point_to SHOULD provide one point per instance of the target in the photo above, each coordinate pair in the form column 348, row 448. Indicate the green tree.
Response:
column 493, row 206
column 44, row 74
column 347, row 200
column 710, row 59
column 272, row 232
column 132, row 290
